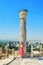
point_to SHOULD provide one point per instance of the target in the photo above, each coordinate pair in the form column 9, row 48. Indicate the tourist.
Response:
column 21, row 50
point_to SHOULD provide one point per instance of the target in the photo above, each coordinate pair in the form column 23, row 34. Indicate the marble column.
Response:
column 23, row 27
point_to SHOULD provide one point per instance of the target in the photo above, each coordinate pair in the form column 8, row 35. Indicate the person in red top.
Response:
column 21, row 49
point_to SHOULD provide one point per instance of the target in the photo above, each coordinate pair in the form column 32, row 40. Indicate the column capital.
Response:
column 23, row 13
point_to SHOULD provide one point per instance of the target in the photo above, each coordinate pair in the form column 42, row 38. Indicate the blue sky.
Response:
column 10, row 21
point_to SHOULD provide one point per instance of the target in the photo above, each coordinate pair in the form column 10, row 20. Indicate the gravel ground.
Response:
column 27, row 61
column 24, row 61
column 7, row 60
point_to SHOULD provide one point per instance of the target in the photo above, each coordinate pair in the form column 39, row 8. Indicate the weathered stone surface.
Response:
column 23, row 26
